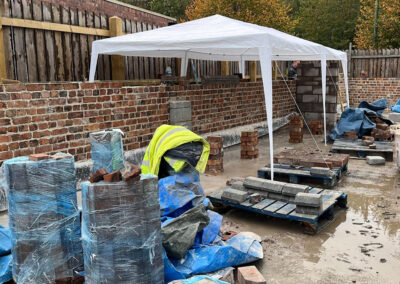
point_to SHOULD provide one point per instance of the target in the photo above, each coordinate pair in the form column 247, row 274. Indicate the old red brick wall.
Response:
column 372, row 89
column 55, row 117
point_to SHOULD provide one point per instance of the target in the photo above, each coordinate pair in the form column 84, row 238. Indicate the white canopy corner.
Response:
column 223, row 39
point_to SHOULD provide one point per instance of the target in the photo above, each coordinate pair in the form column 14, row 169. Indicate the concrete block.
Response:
column 304, row 90
column 308, row 210
column 180, row 115
column 308, row 199
column 224, row 274
column 235, row 179
column 250, row 275
column 291, row 189
column 312, row 72
column 320, row 171
column 310, row 99
column 238, row 185
column 277, row 196
column 180, row 104
column 255, row 198
column 394, row 116
column 264, row 184
column 375, row 160
column 234, row 195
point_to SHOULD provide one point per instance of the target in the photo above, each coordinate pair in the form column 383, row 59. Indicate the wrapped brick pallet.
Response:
column 44, row 219
column 121, row 232
column 107, row 150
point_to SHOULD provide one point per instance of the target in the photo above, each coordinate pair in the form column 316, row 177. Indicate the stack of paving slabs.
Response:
column 308, row 203
column 381, row 132
column 44, row 218
column 296, row 129
column 121, row 231
column 276, row 190
column 215, row 164
column 316, row 127
column 249, row 145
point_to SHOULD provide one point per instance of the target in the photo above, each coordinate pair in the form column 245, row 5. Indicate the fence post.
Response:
column 117, row 61
column 253, row 71
column 349, row 60
column 224, row 68
column 3, row 71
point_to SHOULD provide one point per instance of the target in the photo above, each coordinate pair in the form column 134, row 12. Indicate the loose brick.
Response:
column 38, row 157
column 115, row 176
column 98, row 175
column 249, row 275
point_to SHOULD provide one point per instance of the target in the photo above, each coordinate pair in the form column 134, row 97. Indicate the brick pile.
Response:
column 381, row 132
column 249, row 145
column 215, row 164
column 296, row 129
column 316, row 127
column 350, row 135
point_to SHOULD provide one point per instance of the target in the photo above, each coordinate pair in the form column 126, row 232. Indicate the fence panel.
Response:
column 382, row 63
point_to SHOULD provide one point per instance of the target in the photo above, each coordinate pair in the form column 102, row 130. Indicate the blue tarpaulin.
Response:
column 359, row 119
column 5, row 255
column 396, row 107
column 196, row 279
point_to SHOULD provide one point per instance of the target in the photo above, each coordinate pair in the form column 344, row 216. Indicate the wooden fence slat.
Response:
column 40, row 43
column 83, row 47
column 100, row 62
column 106, row 58
column 19, row 44
column 7, row 41
column 398, row 63
column 90, row 38
column 58, row 46
column 76, row 50
column 67, row 45
column 141, row 59
column 30, row 44
column 49, row 43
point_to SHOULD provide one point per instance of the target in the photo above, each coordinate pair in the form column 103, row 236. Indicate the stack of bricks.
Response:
column 215, row 164
column 381, row 132
column 296, row 129
column 249, row 145
column 316, row 127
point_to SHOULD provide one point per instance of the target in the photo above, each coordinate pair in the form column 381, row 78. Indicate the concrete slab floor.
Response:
column 362, row 245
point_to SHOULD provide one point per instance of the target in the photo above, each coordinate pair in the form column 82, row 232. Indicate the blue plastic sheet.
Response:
column 5, row 268
column 5, row 241
column 238, row 250
column 107, row 150
column 180, row 193
column 358, row 119
column 210, row 233
column 396, row 107
column 378, row 106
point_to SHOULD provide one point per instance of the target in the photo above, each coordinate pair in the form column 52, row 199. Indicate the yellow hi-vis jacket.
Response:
column 168, row 137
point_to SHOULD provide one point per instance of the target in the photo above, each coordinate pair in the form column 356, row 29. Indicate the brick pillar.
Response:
column 215, row 164
column 249, row 145
column 296, row 129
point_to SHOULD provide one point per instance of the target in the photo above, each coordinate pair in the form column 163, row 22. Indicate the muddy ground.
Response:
column 362, row 245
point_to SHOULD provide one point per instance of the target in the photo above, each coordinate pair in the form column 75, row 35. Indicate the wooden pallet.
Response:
column 302, row 175
column 355, row 148
column 313, row 223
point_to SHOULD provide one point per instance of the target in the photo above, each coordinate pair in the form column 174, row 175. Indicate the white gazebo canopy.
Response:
column 223, row 39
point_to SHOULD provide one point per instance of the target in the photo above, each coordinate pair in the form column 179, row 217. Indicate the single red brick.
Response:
column 98, row 175
column 250, row 275
column 38, row 157
column 115, row 176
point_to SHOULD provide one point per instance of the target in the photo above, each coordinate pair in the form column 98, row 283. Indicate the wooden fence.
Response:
column 383, row 63
column 46, row 41
column 51, row 40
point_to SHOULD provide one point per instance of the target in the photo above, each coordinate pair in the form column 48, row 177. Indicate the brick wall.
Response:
column 309, row 91
column 54, row 117
column 371, row 89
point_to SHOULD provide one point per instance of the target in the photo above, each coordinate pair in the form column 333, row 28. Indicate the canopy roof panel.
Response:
column 215, row 38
